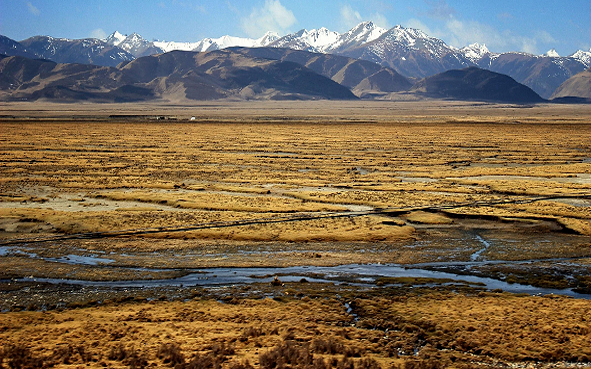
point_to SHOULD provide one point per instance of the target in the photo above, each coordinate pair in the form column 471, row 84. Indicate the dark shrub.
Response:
column 170, row 353
column 20, row 357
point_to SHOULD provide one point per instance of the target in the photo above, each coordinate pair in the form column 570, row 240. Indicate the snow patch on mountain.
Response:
column 552, row 53
column 167, row 46
column 209, row 44
column 314, row 40
column 475, row 52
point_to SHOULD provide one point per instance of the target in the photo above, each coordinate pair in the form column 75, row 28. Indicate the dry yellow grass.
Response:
column 220, row 202
column 96, row 176
column 422, row 217
column 445, row 330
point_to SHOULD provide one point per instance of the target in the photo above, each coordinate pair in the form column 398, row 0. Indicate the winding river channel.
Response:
column 354, row 274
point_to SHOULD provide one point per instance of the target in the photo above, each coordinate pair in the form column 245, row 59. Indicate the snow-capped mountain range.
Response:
column 209, row 44
column 411, row 52
column 323, row 40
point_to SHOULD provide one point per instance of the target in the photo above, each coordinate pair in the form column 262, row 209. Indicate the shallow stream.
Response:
column 355, row 274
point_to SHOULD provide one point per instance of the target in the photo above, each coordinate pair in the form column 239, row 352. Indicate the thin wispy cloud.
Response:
column 33, row 9
column 462, row 33
column 349, row 17
column 98, row 33
column 459, row 32
column 439, row 9
column 232, row 7
column 273, row 16
column 380, row 20
column 505, row 16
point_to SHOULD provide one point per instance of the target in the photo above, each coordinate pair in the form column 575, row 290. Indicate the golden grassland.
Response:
column 69, row 169
column 429, row 330
column 144, row 174
column 439, row 169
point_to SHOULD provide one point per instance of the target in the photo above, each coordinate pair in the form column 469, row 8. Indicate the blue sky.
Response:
column 503, row 25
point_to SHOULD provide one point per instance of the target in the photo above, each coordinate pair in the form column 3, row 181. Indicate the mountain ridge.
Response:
column 244, row 74
column 173, row 76
column 410, row 52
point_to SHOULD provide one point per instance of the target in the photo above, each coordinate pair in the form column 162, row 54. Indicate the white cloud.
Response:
column 545, row 37
column 461, row 33
column 271, row 17
column 33, row 9
column 349, row 17
column 380, row 20
column 98, row 33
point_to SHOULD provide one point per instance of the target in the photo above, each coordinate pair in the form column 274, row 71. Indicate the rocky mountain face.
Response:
column 84, row 51
column 242, row 74
column 11, row 47
column 410, row 52
column 134, row 44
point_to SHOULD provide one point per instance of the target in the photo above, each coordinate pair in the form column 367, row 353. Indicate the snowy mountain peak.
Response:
column 552, row 54
column 115, row 38
column 474, row 52
column 411, row 38
column 315, row 40
column 132, row 41
column 360, row 34
column 365, row 32
column 322, row 37
column 583, row 56
column 408, row 36
column 133, row 44
column 135, row 36
column 267, row 38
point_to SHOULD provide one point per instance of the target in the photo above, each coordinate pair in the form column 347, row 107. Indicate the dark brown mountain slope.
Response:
column 361, row 76
column 475, row 84
column 578, row 85
column 173, row 76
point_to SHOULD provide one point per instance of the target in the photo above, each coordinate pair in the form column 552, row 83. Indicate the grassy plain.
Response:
column 412, row 330
column 299, row 183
